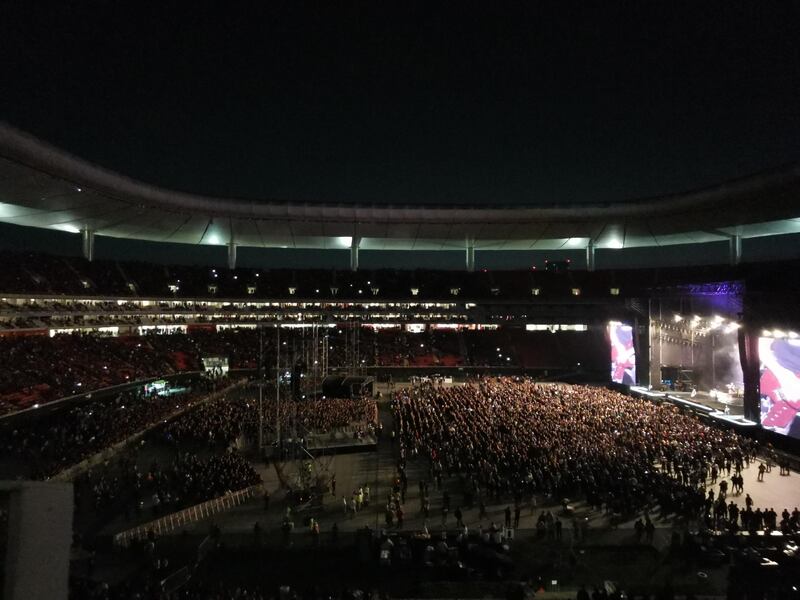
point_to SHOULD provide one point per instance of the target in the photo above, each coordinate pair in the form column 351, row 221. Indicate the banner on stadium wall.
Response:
column 623, row 353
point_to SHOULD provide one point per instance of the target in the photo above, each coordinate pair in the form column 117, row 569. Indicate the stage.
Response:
column 719, row 401
column 718, row 406
column 340, row 442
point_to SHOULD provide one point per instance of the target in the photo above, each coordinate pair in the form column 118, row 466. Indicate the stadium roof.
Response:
column 42, row 186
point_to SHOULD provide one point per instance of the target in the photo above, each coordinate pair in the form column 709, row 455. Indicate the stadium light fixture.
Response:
column 678, row 318
column 616, row 244
column 67, row 228
column 766, row 333
column 731, row 327
column 777, row 333
column 793, row 335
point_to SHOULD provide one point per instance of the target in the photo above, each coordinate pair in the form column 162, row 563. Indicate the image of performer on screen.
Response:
column 623, row 354
column 780, row 385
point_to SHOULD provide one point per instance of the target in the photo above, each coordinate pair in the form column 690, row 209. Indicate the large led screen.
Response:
column 623, row 355
column 780, row 385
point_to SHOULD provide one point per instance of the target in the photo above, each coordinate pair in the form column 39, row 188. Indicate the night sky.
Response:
column 420, row 104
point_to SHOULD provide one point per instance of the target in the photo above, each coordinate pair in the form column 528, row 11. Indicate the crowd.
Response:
column 221, row 421
column 33, row 273
column 161, row 488
column 217, row 423
column 38, row 369
column 218, row 590
column 52, row 442
column 324, row 415
column 516, row 438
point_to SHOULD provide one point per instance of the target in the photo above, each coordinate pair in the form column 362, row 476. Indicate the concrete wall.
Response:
column 39, row 539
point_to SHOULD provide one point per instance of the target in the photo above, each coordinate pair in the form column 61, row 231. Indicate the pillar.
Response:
column 354, row 253
column 87, row 239
column 735, row 249
column 641, row 343
column 231, row 255
column 751, row 365
column 470, row 256
column 590, row 255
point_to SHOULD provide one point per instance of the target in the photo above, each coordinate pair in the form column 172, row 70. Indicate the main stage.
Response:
column 723, row 408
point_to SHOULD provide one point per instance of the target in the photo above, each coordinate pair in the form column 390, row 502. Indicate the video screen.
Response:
column 780, row 385
column 623, row 355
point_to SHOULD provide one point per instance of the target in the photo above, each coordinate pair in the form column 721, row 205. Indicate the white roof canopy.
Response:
column 41, row 186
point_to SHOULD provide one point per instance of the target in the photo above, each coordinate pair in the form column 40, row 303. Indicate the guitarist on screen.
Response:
column 780, row 385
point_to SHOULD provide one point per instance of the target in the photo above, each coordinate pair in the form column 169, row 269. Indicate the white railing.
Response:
column 193, row 514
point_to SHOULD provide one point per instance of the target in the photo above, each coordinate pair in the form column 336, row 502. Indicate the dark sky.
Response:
column 421, row 104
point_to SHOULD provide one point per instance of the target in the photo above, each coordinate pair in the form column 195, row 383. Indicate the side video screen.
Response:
column 780, row 385
column 623, row 354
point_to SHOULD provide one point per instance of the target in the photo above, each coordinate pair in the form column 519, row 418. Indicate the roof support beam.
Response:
column 590, row 255
column 735, row 249
column 231, row 255
column 87, row 243
column 470, row 247
column 354, row 253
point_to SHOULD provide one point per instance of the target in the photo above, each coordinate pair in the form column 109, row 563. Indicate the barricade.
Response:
column 193, row 514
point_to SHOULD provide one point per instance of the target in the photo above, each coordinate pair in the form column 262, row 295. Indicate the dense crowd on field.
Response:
column 515, row 438
column 222, row 421
column 160, row 488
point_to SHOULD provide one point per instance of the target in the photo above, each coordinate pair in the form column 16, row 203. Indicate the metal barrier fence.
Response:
column 193, row 514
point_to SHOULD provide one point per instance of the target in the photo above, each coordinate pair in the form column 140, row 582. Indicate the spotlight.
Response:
column 731, row 327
